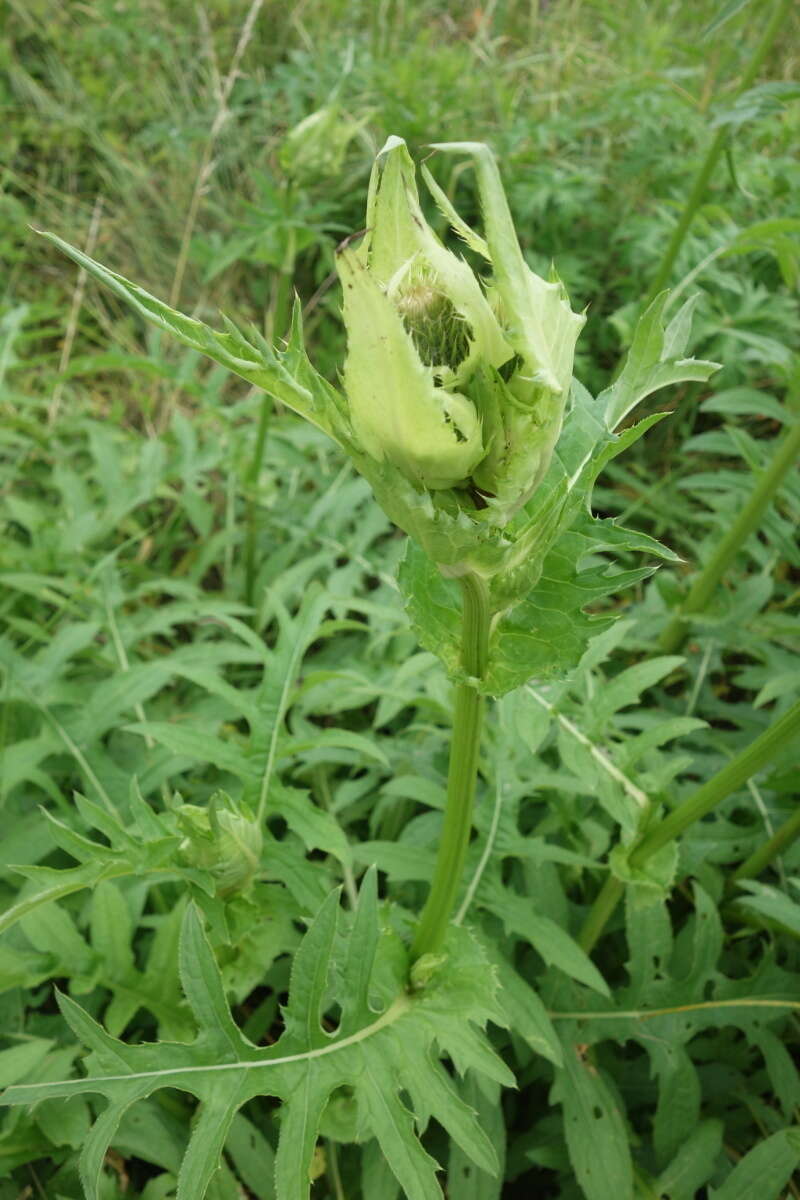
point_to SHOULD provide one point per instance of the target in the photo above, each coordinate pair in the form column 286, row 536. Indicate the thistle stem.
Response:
column 463, row 770
column 601, row 912
column 757, row 755
column 781, row 839
column 252, row 499
column 747, row 522
column 698, row 191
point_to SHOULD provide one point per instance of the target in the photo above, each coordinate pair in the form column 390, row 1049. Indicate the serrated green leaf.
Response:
column 65, row 1122
column 18, row 1061
column 300, row 1119
column 97, row 1142
column 345, row 739
column 463, row 1180
column 765, row 1170
column 112, row 929
column 223, row 1070
column 594, row 1129
column 376, row 1175
column 432, row 1090
column 280, row 676
column 656, row 876
column 646, row 368
column 771, row 903
column 277, row 374
column 781, row 1069
column 401, row 862
column 707, row 940
column 52, row 930
column 202, row 985
column 693, row 1164
column 545, row 634
column 648, row 930
column 678, row 1109
column 310, row 974
column 197, row 745
column 549, row 940
column 392, row 1124
column 626, row 687
column 317, row 829
column 361, row 948
column 55, row 884
column 253, row 1157
column 525, row 1012
column 202, row 1159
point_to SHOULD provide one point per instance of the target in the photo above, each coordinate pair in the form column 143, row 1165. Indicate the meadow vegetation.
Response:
column 216, row 709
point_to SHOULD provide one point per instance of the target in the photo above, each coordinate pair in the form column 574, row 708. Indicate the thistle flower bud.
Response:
column 316, row 146
column 458, row 384
column 223, row 839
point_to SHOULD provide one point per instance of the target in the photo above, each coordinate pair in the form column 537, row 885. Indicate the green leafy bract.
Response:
column 549, row 566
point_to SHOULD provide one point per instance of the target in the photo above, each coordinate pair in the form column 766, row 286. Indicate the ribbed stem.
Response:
column 697, row 194
column 748, row 521
column 729, row 779
column 462, row 772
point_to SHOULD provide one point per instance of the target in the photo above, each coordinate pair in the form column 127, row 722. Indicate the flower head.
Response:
column 223, row 838
column 456, row 383
column 315, row 148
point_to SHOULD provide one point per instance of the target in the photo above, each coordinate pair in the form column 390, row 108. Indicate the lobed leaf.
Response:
column 375, row 1055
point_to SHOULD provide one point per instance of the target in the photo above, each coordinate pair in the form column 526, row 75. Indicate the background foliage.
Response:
column 140, row 657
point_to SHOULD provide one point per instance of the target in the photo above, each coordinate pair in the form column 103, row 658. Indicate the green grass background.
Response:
column 127, row 471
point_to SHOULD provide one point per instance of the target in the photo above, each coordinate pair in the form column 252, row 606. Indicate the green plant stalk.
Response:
column 278, row 327
column 763, row 856
column 601, row 912
column 463, row 770
column 697, row 194
column 757, row 755
column 698, row 805
column 747, row 522
column 252, row 499
column 282, row 304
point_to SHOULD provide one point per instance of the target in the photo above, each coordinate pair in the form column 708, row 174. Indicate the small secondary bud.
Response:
column 223, row 838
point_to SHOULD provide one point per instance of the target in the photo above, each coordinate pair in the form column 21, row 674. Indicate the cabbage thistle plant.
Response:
column 458, row 404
